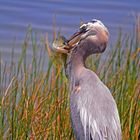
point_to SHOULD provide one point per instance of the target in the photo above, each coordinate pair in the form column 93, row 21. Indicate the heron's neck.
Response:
column 75, row 66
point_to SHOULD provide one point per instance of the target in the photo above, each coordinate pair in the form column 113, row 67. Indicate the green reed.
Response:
column 34, row 93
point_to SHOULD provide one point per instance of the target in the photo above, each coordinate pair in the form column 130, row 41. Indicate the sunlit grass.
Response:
column 34, row 101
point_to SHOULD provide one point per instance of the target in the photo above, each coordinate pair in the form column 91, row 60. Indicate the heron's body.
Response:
column 94, row 112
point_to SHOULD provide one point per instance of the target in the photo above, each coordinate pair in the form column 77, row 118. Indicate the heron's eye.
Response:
column 83, row 28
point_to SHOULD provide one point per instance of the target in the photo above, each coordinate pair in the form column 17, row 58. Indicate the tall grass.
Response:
column 34, row 102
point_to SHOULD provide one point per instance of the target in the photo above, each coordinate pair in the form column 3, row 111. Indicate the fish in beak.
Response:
column 67, row 44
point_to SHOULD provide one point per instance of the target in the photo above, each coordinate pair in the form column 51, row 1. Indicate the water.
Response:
column 16, row 15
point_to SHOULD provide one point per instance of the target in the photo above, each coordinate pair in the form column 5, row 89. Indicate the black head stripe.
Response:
column 94, row 21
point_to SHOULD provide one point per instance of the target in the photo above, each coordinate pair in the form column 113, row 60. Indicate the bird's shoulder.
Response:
column 88, row 74
column 92, row 90
column 90, row 81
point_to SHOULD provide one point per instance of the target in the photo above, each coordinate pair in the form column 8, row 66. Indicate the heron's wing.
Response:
column 97, row 108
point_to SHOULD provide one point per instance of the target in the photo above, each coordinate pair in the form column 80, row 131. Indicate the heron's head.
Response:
column 92, row 37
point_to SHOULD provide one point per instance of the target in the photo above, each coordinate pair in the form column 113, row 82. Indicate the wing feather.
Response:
column 98, row 110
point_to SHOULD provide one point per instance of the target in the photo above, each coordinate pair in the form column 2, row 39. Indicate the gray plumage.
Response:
column 94, row 112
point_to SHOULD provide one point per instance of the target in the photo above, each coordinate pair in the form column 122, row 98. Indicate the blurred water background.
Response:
column 16, row 15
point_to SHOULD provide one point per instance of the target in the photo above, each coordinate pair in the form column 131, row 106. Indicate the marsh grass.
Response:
column 34, row 102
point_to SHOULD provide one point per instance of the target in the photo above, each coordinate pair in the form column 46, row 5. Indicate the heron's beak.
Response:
column 67, row 45
column 74, row 39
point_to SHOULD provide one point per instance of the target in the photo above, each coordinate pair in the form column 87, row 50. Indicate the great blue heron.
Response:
column 94, row 112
